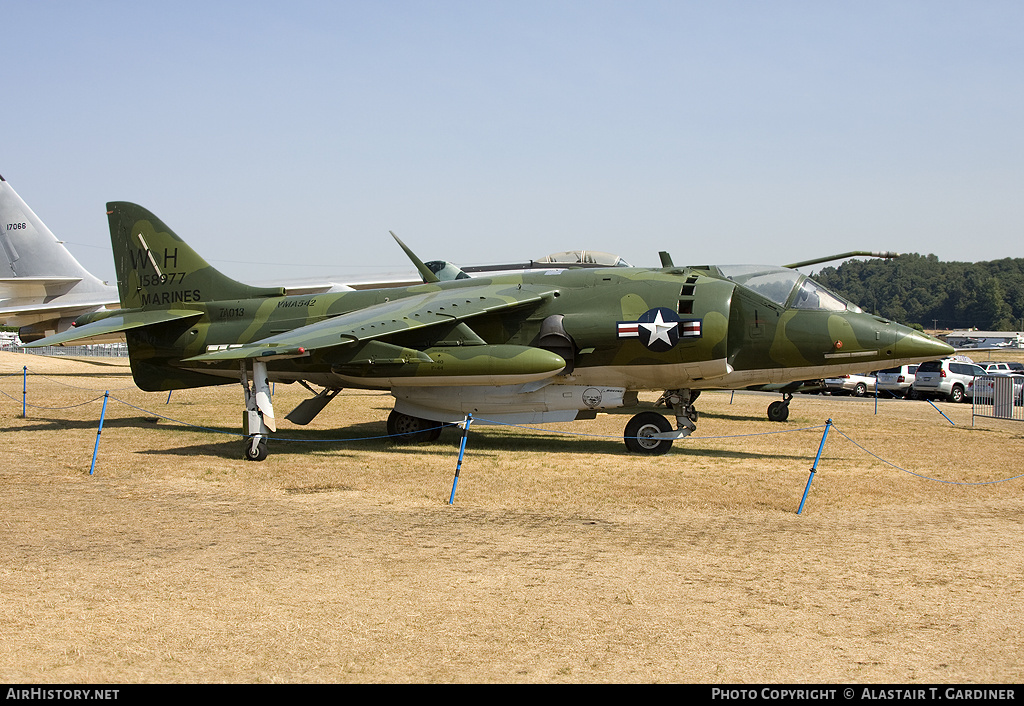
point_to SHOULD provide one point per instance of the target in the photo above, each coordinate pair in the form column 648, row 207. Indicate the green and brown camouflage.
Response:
column 559, row 344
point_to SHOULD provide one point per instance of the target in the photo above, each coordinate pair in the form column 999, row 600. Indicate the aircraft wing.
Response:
column 418, row 311
column 115, row 323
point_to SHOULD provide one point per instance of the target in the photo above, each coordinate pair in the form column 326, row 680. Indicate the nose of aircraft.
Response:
column 914, row 346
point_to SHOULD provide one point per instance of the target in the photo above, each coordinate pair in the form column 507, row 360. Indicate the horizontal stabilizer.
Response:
column 29, row 286
column 115, row 323
column 67, row 307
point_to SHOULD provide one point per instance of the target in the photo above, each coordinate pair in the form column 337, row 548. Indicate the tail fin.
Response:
column 43, row 288
column 158, row 270
column 29, row 249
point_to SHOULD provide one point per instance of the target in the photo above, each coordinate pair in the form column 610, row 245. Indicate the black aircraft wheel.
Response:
column 259, row 454
column 433, row 432
column 778, row 412
column 640, row 430
column 406, row 429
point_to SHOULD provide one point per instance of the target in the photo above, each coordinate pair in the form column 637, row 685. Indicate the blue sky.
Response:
column 286, row 139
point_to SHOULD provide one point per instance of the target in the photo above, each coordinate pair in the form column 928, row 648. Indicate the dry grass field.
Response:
column 562, row 559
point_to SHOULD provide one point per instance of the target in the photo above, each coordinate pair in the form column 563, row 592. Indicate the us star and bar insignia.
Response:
column 659, row 329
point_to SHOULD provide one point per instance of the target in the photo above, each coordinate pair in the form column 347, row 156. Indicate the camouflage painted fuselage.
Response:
column 739, row 338
column 589, row 335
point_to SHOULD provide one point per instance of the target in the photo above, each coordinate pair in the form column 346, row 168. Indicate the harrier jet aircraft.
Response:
column 513, row 348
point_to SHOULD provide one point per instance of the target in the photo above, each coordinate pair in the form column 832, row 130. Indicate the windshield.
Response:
column 778, row 285
column 812, row 295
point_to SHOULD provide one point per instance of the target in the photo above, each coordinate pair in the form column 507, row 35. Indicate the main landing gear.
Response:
column 258, row 418
column 406, row 429
column 650, row 433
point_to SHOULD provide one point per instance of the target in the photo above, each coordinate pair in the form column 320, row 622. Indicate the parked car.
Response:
column 856, row 385
column 898, row 381
column 984, row 388
column 995, row 368
column 1001, row 367
column 947, row 378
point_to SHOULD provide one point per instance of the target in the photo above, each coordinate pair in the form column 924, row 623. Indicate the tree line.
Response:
column 921, row 290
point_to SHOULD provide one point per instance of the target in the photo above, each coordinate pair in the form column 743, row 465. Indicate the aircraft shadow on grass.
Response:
column 479, row 444
column 371, row 436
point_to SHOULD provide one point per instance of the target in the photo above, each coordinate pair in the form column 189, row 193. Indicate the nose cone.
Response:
column 916, row 347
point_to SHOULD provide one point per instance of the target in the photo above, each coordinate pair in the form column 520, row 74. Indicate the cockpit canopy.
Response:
column 786, row 287
column 584, row 257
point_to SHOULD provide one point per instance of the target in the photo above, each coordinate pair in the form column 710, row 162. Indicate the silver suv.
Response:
column 947, row 378
column 897, row 382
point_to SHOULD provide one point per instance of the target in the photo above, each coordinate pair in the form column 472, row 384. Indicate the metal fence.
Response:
column 109, row 350
column 998, row 397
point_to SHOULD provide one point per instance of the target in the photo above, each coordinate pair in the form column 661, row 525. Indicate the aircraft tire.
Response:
column 641, row 428
column 778, row 412
column 406, row 429
column 261, row 452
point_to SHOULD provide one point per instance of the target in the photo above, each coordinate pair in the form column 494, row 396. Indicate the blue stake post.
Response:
column 941, row 412
column 24, row 391
column 462, row 451
column 103, row 414
column 814, row 468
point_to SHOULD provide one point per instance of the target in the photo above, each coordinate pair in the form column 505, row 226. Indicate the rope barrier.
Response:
column 923, row 477
column 78, row 387
column 619, row 436
column 517, row 426
column 271, row 437
column 71, row 406
column 177, row 421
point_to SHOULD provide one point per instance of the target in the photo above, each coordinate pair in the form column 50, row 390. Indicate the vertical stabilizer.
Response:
column 29, row 249
column 158, row 270
column 43, row 288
